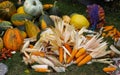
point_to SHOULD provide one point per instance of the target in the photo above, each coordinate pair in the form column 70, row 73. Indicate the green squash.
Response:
column 22, row 28
column 4, row 25
column 7, row 9
column 45, row 21
column 31, row 29
column 38, row 35
column 18, row 19
column 55, row 10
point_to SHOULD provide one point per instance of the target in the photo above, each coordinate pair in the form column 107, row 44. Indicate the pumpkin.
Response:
column 12, row 39
column 18, row 19
column 79, row 21
column 33, row 7
column 31, row 29
column 7, row 9
column 55, row 10
column 45, row 21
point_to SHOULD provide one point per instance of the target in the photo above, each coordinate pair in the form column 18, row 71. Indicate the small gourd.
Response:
column 33, row 7
column 13, row 39
column 79, row 21
column 18, row 19
column 45, row 21
column 23, row 33
column 31, row 29
column 22, row 28
column 20, row 10
column 7, row 9
column 4, row 25
column 55, row 10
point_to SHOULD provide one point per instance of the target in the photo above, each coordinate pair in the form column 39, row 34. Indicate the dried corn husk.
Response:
column 52, row 39
column 54, row 60
column 112, row 47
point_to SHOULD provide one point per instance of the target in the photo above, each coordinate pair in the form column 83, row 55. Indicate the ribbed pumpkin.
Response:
column 18, row 19
column 31, row 29
column 13, row 39
column 7, row 9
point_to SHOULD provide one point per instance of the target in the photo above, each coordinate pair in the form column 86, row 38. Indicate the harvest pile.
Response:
column 52, row 42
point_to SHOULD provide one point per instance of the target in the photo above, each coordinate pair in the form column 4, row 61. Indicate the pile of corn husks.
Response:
column 61, row 46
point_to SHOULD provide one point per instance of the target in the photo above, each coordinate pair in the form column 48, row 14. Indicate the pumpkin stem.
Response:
column 54, row 5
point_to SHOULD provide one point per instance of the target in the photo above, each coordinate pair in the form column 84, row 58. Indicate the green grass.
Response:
column 17, row 67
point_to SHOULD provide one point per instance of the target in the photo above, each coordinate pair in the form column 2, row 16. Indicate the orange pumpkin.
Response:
column 13, row 39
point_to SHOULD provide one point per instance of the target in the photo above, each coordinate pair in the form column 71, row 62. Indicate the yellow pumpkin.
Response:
column 79, row 21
